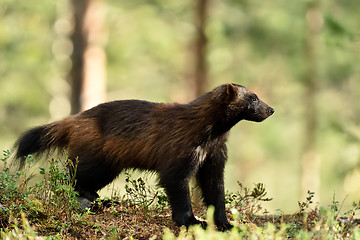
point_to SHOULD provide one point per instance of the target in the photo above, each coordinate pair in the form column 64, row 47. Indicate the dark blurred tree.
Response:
column 87, row 75
column 200, row 47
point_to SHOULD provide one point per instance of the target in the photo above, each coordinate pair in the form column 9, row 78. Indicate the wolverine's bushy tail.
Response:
column 39, row 140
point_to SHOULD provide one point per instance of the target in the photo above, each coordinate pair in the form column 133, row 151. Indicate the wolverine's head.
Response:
column 246, row 104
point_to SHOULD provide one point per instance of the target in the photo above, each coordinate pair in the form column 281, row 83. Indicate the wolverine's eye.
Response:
column 254, row 98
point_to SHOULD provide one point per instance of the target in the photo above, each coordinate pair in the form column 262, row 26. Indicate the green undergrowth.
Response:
column 49, row 209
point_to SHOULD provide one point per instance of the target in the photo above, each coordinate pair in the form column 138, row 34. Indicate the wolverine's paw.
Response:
column 224, row 226
column 187, row 222
column 194, row 221
column 84, row 203
column 203, row 224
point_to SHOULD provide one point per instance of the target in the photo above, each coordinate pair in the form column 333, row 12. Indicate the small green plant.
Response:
column 162, row 200
column 306, row 204
column 247, row 201
column 139, row 193
column 50, row 202
column 56, row 191
column 14, row 190
column 62, row 185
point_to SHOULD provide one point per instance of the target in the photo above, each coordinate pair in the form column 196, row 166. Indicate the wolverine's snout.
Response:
column 271, row 111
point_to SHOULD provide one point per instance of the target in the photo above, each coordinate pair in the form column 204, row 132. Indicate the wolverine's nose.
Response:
column 271, row 111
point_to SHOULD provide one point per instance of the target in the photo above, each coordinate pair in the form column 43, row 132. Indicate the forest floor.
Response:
column 125, row 220
column 49, row 210
column 122, row 221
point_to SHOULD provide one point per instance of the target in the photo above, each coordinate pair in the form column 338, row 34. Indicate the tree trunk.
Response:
column 87, row 75
column 310, row 179
column 200, row 77
column 200, row 48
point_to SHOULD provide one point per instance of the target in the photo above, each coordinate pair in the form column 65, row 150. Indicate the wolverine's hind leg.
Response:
column 91, row 175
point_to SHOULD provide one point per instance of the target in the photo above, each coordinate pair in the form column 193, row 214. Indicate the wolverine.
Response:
column 177, row 141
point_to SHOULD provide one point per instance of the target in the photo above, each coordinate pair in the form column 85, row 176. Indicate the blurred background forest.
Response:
column 301, row 57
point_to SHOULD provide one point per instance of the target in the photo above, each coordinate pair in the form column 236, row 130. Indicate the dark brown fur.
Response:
column 175, row 140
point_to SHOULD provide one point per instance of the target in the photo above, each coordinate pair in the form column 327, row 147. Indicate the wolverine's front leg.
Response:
column 177, row 189
column 210, row 177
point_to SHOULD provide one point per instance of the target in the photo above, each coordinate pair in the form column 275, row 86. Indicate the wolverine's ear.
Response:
column 231, row 91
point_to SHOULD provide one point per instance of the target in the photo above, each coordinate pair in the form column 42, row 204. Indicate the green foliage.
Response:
column 140, row 194
column 56, row 191
column 14, row 189
column 246, row 202
column 305, row 205
column 51, row 203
